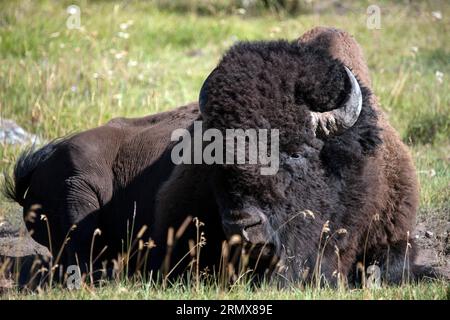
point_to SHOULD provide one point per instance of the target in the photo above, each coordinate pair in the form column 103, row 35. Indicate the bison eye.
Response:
column 295, row 155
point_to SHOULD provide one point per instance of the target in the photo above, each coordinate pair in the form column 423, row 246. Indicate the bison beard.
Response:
column 346, row 191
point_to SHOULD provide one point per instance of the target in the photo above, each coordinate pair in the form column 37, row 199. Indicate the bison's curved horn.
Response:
column 203, row 93
column 338, row 120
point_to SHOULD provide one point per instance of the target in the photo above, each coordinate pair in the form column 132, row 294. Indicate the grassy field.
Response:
column 136, row 59
column 134, row 291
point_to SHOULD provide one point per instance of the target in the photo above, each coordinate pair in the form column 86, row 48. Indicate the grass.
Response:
column 139, row 290
column 140, row 58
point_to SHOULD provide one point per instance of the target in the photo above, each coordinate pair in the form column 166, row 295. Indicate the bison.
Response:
column 344, row 197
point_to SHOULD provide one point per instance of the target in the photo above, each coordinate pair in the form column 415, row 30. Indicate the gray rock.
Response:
column 12, row 133
column 8, row 230
column 20, row 259
column 17, row 247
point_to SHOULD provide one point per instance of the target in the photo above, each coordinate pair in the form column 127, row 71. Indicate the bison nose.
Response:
column 252, row 224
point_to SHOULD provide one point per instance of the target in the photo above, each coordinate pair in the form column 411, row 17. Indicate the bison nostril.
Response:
column 247, row 229
column 260, row 233
column 251, row 223
column 256, row 223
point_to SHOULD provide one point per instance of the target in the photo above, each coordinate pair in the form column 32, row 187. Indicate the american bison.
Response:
column 345, row 194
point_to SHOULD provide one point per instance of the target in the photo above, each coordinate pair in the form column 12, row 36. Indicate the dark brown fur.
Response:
column 362, row 181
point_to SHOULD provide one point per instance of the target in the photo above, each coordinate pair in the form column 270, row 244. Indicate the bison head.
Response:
column 313, row 100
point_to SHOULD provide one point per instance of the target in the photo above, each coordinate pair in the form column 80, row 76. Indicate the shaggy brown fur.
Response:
column 362, row 181
column 398, row 189
column 360, row 184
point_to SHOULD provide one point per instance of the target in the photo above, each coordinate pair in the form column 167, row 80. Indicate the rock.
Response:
column 12, row 133
column 8, row 230
column 429, row 234
column 20, row 259
column 17, row 247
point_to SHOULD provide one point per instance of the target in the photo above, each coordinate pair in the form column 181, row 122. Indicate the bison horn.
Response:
column 204, row 92
column 336, row 121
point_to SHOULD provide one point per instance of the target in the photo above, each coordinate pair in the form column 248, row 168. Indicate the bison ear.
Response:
column 203, row 95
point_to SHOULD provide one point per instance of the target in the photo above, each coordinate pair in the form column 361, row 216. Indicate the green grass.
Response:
column 55, row 81
column 134, row 291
